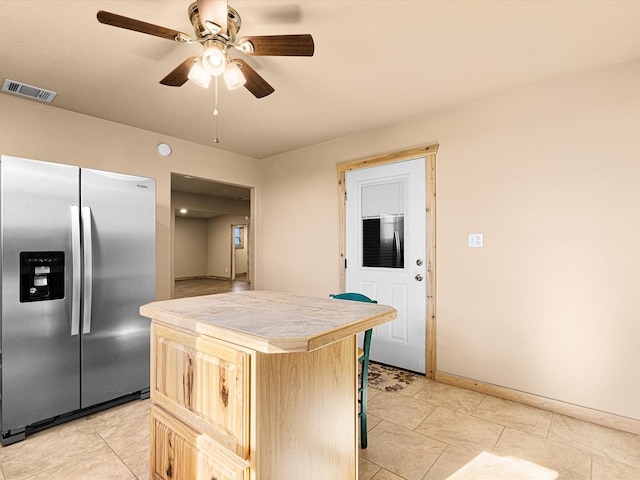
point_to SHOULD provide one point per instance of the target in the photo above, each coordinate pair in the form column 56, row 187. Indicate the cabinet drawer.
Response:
column 204, row 382
column 180, row 453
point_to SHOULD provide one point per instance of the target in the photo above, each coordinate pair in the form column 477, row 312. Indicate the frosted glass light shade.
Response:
column 214, row 60
column 198, row 75
column 233, row 76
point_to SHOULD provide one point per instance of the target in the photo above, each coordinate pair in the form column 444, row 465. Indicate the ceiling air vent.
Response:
column 28, row 91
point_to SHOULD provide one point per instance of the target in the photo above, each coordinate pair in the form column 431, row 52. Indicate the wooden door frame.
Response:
column 429, row 154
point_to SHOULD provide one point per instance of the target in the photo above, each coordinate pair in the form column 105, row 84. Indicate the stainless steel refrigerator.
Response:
column 78, row 260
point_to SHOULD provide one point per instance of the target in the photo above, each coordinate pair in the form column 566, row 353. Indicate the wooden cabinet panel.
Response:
column 180, row 453
column 204, row 382
column 306, row 414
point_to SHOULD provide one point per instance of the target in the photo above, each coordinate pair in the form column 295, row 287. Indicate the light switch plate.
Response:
column 475, row 240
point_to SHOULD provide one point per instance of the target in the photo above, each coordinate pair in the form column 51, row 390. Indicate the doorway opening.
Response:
column 204, row 261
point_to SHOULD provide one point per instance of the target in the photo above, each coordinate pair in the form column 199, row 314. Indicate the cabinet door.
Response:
column 205, row 383
column 180, row 453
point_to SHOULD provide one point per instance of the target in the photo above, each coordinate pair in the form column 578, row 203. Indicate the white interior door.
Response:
column 233, row 252
column 386, row 250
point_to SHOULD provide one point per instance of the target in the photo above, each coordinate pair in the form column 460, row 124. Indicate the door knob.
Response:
column 419, row 262
column 419, row 277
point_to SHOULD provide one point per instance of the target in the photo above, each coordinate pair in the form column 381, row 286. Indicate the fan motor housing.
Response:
column 233, row 23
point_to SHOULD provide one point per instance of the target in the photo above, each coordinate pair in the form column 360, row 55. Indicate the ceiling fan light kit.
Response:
column 216, row 26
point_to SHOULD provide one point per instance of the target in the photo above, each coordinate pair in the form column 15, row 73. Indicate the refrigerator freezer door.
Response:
column 40, row 368
column 115, row 346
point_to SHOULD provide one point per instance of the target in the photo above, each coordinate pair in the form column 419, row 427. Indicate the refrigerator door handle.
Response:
column 76, row 269
column 87, row 281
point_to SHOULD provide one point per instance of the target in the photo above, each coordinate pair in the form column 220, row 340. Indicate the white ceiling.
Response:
column 375, row 63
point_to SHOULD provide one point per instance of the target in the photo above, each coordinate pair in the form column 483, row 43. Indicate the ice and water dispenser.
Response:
column 41, row 276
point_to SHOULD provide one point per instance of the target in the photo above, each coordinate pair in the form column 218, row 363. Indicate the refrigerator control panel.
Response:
column 41, row 276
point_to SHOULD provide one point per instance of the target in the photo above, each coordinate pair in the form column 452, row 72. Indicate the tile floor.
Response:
column 427, row 431
column 430, row 430
column 113, row 445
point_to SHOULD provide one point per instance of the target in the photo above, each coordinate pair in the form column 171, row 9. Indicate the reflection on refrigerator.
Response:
column 383, row 241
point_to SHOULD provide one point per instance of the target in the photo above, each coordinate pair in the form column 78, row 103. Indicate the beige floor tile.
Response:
column 128, row 439
column 405, row 411
column 138, row 463
column 136, row 410
column 124, row 428
column 571, row 463
column 385, row 475
column 372, row 421
column 460, row 430
column 366, row 469
column 372, row 392
column 621, row 446
column 449, row 462
column 48, row 449
column 606, row 469
column 488, row 466
column 401, row 451
column 415, row 387
column 100, row 465
column 516, row 415
column 449, row 396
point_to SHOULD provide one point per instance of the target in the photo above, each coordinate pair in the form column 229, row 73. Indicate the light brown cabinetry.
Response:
column 204, row 382
column 182, row 453
column 204, row 385
column 229, row 405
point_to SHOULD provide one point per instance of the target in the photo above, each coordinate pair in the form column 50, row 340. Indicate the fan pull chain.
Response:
column 215, row 109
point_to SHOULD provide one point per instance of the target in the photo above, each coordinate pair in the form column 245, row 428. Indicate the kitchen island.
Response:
column 256, row 385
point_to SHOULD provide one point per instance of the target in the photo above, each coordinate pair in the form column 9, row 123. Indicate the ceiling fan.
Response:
column 216, row 26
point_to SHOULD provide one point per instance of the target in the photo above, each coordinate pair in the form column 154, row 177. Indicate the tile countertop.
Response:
column 270, row 322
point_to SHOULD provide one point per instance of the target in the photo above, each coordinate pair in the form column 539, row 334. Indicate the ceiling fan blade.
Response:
column 281, row 45
column 180, row 74
column 213, row 12
column 255, row 83
column 127, row 23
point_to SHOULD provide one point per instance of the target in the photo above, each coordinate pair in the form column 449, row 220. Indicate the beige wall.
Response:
column 296, row 221
column 551, row 176
column 33, row 130
column 190, row 247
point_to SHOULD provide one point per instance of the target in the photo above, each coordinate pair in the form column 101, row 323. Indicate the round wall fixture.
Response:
column 164, row 149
